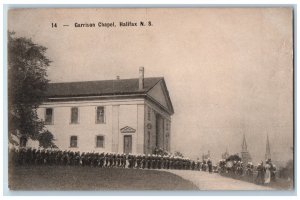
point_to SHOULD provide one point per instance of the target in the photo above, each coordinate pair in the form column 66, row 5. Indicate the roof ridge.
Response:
column 158, row 77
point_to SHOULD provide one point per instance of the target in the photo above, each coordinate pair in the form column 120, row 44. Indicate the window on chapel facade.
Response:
column 74, row 115
column 49, row 116
column 100, row 141
column 73, row 141
column 100, row 115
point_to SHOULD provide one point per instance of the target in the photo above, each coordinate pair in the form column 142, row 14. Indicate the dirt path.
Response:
column 206, row 181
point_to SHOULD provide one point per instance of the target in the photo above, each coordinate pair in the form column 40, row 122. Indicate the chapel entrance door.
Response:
column 127, row 144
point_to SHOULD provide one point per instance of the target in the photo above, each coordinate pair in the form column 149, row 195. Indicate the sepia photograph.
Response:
column 150, row 99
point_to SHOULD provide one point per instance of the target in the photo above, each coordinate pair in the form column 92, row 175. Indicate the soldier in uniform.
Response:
column 77, row 158
column 95, row 159
column 189, row 164
column 172, row 162
column 204, row 165
column 193, row 165
column 82, row 159
column 180, row 163
column 49, row 157
column 118, row 157
column 155, row 161
column 86, row 159
column 144, row 161
column 167, row 161
column 33, row 156
column 149, row 161
column 106, row 160
column 14, row 156
column 123, row 160
column 114, row 158
column 63, row 158
column 38, row 157
column 53, row 157
column 28, row 156
column 138, row 161
column 110, row 160
column 70, row 158
column 58, row 158
column 134, row 160
column 44, row 157
column 130, row 163
column 21, row 156
column 198, row 165
column 209, row 164
column 101, row 160
column 90, row 159
column 159, row 161
column 152, row 164
column 176, row 163
column 164, row 162
column 186, row 164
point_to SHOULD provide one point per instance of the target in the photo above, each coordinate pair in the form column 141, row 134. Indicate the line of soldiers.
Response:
column 29, row 156
column 257, row 174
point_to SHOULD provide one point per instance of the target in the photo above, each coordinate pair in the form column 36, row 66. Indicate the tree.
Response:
column 46, row 139
column 234, row 157
column 27, row 83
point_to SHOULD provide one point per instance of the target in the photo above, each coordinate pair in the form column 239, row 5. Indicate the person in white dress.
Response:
column 267, row 173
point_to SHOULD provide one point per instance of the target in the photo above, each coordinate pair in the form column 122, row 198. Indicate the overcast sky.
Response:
column 228, row 71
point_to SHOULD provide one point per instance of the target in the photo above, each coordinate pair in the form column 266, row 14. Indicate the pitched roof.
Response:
column 99, row 88
column 106, row 89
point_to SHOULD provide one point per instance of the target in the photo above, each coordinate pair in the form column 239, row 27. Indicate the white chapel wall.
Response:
column 117, row 115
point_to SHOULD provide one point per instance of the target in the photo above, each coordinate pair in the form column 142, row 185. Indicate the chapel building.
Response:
column 121, row 115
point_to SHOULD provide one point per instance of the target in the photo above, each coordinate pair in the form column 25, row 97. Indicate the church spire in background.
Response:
column 244, row 145
column 268, row 150
column 245, row 154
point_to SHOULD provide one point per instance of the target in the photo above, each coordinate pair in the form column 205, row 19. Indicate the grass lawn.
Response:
column 88, row 178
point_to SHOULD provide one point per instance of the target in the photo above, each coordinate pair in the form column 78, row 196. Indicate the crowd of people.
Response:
column 259, row 174
column 30, row 156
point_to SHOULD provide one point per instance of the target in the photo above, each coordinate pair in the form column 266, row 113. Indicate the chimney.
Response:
column 141, row 78
column 118, row 78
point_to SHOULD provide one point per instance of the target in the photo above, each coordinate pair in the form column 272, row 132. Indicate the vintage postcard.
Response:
column 195, row 99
